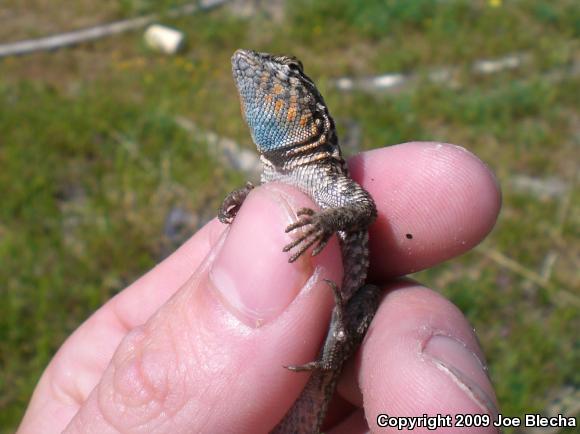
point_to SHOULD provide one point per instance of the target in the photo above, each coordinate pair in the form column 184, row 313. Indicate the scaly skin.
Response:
column 296, row 138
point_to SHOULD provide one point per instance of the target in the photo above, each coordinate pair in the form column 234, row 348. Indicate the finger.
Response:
column 421, row 356
column 435, row 201
column 224, row 337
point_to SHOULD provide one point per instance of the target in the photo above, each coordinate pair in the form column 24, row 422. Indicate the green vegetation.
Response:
column 92, row 161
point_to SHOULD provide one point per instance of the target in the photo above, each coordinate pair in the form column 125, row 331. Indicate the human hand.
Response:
column 198, row 344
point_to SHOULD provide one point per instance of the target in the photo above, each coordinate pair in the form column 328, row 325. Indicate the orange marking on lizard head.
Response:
column 278, row 89
column 313, row 129
column 292, row 113
column 304, row 119
column 279, row 105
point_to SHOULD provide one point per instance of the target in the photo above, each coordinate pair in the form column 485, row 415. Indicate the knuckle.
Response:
column 144, row 386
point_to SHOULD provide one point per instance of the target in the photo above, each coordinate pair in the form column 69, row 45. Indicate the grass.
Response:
column 93, row 162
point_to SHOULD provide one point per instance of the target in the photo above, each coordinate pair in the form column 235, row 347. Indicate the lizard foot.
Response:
column 233, row 202
column 317, row 230
column 337, row 335
column 351, row 321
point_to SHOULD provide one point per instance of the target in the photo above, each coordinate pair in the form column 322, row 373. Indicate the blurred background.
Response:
column 113, row 151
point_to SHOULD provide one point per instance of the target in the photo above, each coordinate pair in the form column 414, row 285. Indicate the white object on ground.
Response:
column 164, row 39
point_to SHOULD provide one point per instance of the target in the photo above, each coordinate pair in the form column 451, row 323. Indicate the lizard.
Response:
column 298, row 145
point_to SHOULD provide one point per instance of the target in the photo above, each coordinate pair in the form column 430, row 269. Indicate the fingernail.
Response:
column 251, row 274
column 465, row 368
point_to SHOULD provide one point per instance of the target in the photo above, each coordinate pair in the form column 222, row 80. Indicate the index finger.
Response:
column 435, row 201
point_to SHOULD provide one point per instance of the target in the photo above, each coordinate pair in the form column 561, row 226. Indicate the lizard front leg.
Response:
column 319, row 226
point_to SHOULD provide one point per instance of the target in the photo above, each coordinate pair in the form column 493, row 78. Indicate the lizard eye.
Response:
column 295, row 65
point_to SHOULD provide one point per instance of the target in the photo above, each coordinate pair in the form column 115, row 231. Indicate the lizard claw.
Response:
column 311, row 366
column 316, row 232
column 233, row 202
column 301, row 221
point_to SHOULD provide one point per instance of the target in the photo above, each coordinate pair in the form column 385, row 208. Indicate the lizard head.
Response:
column 280, row 103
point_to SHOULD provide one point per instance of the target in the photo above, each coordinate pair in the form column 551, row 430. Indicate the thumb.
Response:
column 211, row 359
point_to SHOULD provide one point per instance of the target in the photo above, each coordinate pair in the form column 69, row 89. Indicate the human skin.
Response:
column 198, row 344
